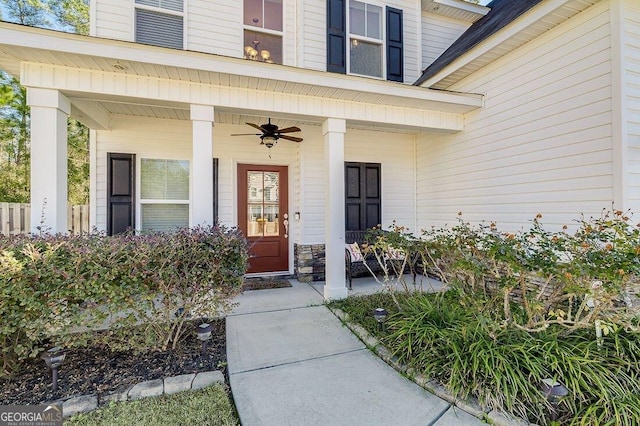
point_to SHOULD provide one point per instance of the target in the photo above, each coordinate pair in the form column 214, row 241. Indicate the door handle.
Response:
column 285, row 222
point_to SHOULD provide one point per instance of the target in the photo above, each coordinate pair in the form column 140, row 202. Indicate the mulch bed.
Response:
column 99, row 371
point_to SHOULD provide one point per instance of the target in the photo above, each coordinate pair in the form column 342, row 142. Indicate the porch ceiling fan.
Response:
column 270, row 134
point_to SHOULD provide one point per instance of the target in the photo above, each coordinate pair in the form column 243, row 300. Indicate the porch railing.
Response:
column 15, row 218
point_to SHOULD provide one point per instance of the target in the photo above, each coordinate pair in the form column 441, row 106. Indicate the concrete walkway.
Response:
column 291, row 362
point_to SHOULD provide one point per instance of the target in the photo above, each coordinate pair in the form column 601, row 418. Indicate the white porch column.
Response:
column 202, row 165
column 49, row 112
column 335, row 286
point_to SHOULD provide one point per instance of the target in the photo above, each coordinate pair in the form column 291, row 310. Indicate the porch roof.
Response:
column 72, row 63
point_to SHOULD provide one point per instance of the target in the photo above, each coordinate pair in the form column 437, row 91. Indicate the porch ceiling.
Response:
column 532, row 24
column 22, row 46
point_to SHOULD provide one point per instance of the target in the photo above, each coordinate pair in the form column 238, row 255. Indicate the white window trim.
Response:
column 138, row 190
column 183, row 14
column 382, row 41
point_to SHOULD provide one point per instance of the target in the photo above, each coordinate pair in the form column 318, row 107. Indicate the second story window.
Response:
column 263, row 30
column 365, row 39
column 160, row 23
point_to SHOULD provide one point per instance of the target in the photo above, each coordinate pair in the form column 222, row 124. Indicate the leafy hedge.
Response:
column 144, row 287
column 533, row 278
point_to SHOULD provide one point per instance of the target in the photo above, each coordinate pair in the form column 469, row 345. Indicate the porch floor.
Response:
column 291, row 362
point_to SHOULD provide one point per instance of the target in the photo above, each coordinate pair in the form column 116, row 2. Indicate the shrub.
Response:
column 55, row 285
column 533, row 278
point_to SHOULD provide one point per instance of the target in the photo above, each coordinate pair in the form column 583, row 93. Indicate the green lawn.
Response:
column 209, row 406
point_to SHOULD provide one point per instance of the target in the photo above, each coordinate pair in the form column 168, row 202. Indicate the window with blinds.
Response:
column 164, row 194
column 160, row 23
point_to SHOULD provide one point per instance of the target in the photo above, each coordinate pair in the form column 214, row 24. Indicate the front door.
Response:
column 263, row 217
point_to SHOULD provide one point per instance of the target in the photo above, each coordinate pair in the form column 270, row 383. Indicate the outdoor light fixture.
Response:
column 554, row 392
column 204, row 335
column 380, row 314
column 269, row 141
column 54, row 358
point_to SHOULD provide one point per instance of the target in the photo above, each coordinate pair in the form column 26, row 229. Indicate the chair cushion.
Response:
column 395, row 253
column 354, row 252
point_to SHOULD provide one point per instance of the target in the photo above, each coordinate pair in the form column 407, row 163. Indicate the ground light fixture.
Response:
column 204, row 335
column 380, row 314
column 554, row 391
column 54, row 358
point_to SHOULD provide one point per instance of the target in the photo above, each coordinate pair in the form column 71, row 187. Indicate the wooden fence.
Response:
column 15, row 218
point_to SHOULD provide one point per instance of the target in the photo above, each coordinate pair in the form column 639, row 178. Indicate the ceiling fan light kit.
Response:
column 271, row 133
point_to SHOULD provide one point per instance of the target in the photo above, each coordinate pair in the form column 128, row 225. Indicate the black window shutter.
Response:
column 215, row 191
column 336, row 36
column 120, row 192
column 363, row 198
column 395, row 54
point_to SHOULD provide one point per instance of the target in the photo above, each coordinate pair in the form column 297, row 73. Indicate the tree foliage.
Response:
column 71, row 15
column 27, row 12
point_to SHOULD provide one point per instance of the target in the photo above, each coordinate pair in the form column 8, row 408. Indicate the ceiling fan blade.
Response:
column 291, row 138
column 255, row 126
column 246, row 134
column 289, row 130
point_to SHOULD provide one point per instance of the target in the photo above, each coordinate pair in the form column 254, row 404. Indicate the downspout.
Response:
column 619, row 138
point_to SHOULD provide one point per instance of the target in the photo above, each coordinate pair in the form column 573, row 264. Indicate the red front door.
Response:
column 263, row 217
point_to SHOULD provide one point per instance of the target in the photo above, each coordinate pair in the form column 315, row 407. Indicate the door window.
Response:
column 263, row 204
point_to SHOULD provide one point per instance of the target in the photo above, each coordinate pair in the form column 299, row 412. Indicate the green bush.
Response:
column 534, row 278
column 55, row 285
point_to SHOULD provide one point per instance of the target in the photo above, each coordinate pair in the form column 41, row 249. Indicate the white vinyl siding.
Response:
column 543, row 141
column 313, row 35
column 438, row 33
column 631, row 98
column 215, row 26
column 113, row 19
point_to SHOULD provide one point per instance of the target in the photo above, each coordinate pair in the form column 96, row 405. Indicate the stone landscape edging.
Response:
column 470, row 406
column 149, row 388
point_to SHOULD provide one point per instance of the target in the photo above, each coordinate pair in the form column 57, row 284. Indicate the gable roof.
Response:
column 502, row 13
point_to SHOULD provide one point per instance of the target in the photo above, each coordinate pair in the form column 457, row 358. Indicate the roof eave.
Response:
column 521, row 23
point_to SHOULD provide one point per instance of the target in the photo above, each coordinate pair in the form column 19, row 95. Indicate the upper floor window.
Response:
column 263, row 25
column 365, row 39
column 160, row 23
